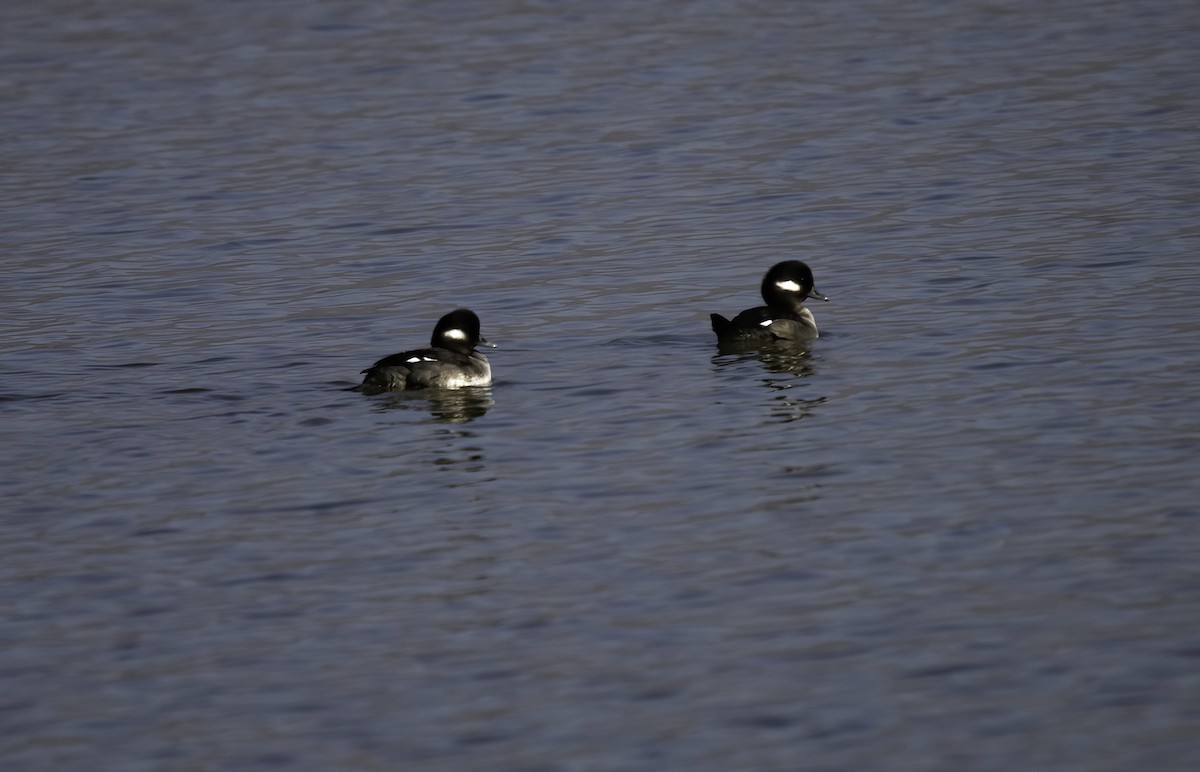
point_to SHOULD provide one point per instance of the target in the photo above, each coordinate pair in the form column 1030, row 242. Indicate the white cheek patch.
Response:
column 788, row 285
column 455, row 334
column 766, row 322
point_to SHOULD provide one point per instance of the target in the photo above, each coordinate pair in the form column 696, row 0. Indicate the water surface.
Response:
column 959, row 531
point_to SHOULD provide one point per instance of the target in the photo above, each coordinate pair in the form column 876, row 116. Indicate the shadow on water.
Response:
column 455, row 406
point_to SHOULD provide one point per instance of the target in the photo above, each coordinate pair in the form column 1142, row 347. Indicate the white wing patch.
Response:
column 410, row 360
column 766, row 322
column 455, row 334
column 788, row 285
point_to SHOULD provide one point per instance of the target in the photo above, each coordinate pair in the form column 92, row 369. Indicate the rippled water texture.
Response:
column 958, row 532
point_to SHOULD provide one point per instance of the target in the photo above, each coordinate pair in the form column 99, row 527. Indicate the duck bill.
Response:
column 486, row 343
column 816, row 295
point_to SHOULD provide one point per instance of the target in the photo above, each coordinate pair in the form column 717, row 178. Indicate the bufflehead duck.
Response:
column 450, row 362
column 783, row 318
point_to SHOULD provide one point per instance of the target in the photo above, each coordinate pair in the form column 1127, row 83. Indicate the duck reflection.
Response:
column 453, row 406
column 457, row 451
column 785, row 363
column 786, row 358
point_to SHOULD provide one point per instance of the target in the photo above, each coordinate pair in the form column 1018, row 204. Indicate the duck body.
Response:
column 784, row 318
column 450, row 361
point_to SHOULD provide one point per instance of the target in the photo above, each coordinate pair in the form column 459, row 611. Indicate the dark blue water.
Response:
column 958, row 532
